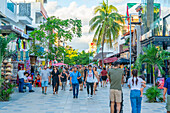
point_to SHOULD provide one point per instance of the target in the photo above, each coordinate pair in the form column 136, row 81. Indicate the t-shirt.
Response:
column 65, row 78
column 25, row 78
column 167, row 85
column 74, row 77
column 44, row 74
column 90, row 77
column 21, row 74
column 135, row 86
column 116, row 77
column 104, row 72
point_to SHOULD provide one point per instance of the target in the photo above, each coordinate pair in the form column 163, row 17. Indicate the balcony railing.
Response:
column 11, row 6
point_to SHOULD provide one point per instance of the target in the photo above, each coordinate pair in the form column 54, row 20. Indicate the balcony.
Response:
column 25, row 13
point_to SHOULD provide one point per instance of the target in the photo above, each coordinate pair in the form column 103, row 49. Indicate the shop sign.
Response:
column 17, row 29
column 24, row 35
column 160, row 82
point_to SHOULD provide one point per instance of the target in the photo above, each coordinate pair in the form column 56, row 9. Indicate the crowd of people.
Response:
column 89, row 77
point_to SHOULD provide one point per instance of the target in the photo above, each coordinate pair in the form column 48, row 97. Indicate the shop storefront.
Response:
column 20, row 45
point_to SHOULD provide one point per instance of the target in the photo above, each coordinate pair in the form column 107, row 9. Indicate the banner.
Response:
column 160, row 82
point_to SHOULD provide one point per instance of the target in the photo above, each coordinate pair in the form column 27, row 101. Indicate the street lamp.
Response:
column 130, row 42
column 63, row 57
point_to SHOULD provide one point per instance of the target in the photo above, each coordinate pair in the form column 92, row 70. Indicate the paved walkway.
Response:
column 64, row 103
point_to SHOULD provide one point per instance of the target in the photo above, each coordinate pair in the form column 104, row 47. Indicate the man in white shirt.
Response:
column 21, row 79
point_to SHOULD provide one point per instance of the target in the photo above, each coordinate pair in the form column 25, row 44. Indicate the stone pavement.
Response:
column 64, row 103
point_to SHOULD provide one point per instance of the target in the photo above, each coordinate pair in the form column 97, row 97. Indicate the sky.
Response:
column 81, row 9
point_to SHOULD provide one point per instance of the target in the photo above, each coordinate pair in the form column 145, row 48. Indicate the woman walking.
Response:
column 55, row 80
column 90, row 81
column 96, row 79
column 104, row 77
column 135, row 83
column 64, row 76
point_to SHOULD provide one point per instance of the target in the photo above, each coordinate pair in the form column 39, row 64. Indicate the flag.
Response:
column 127, row 19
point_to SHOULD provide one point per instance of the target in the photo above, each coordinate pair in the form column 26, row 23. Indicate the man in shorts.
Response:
column 167, row 90
column 44, row 79
column 116, row 79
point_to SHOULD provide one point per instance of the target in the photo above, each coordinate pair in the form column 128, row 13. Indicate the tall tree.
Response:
column 105, row 24
column 63, row 29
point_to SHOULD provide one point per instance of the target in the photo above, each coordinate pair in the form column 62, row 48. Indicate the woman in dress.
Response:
column 95, row 79
column 135, row 83
column 55, row 80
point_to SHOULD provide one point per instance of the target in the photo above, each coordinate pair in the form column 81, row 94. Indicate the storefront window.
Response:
column 11, row 6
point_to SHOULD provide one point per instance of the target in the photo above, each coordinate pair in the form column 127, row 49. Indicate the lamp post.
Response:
column 63, row 57
column 130, row 42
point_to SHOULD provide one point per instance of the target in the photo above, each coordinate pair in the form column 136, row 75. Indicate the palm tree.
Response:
column 105, row 24
column 154, row 57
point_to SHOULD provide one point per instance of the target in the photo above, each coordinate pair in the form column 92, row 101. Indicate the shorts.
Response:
column 115, row 95
column 104, row 78
column 168, row 103
column 44, row 83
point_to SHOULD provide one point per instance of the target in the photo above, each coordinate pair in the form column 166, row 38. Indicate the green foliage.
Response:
column 152, row 93
column 161, row 99
column 4, row 42
column 55, row 27
column 152, row 57
column 106, row 24
column 5, row 90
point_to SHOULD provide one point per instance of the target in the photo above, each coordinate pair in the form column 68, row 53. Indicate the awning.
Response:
column 110, row 60
column 2, row 15
column 99, row 55
column 7, row 29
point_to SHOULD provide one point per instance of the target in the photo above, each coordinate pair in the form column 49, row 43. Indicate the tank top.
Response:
column 90, row 77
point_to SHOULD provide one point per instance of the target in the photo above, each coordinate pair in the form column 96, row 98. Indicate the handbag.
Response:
column 80, row 79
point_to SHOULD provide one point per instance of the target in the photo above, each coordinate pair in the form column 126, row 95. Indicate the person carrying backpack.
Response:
column 90, row 81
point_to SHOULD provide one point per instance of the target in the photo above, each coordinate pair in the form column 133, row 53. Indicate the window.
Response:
column 11, row 6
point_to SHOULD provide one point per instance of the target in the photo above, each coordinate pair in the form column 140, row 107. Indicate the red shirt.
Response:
column 104, row 72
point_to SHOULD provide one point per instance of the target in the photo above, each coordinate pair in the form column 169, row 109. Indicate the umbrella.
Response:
column 59, row 64
column 122, row 61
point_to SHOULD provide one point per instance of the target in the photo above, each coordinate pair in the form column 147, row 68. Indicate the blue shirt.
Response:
column 74, row 77
column 167, row 85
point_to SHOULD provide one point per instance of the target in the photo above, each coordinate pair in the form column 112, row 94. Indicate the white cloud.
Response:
column 85, row 14
column 74, row 11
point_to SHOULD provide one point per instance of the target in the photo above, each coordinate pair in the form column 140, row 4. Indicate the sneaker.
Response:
column 96, row 90
column 88, row 96
column 74, row 97
column 91, row 96
column 31, row 91
column 21, row 92
column 45, row 93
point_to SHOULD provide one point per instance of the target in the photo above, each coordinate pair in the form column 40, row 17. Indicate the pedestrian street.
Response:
column 36, row 102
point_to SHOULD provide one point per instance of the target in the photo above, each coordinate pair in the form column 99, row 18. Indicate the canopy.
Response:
column 122, row 61
column 110, row 60
column 59, row 64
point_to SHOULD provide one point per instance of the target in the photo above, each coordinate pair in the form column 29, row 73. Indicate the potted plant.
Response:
column 5, row 90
